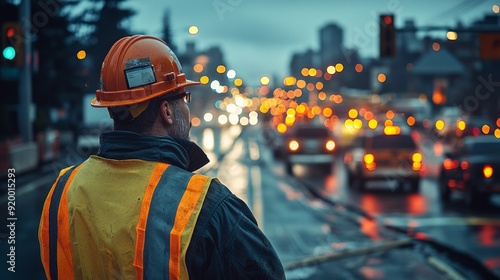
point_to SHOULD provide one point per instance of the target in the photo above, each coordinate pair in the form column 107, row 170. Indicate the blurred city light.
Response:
column 381, row 77
column 214, row 84
column 436, row 46
column 330, row 70
column 327, row 112
column 358, row 68
column 221, row 69
column 485, row 129
column 452, row 35
column 222, row 119
column 238, row 82
column 390, row 114
column 281, row 128
column 439, row 124
column 289, row 81
column 198, row 68
column 461, row 125
column 244, row 121
column 264, row 80
column 81, row 54
column 208, row 117
column 353, row 113
column 410, row 121
column 231, row 74
column 339, row 67
column 357, row 123
column 495, row 9
column 193, row 30
column 195, row 121
column 204, row 80
column 372, row 123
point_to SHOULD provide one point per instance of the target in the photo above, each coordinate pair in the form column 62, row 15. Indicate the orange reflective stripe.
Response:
column 43, row 231
column 143, row 217
column 65, row 269
column 184, row 220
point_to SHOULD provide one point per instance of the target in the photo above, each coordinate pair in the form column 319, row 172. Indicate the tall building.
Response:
column 305, row 59
column 331, row 38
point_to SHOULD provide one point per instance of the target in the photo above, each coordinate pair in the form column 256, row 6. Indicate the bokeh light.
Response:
column 193, row 30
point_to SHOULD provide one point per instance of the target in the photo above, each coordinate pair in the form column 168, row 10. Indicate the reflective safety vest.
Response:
column 101, row 222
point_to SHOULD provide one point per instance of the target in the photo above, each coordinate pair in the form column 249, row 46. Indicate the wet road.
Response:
column 298, row 224
column 473, row 231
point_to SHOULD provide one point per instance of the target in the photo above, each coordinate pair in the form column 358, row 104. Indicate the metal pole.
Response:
column 25, row 113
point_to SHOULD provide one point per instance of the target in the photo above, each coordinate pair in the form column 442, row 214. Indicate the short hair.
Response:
column 123, row 119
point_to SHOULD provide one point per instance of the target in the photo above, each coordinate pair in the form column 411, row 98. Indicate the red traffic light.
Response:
column 10, row 32
column 387, row 20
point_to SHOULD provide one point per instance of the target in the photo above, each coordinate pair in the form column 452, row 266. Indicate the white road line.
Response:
column 257, row 195
column 440, row 221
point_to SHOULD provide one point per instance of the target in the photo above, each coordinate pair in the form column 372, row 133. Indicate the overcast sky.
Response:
column 258, row 37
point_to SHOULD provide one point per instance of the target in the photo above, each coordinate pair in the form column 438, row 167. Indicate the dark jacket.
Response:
column 191, row 224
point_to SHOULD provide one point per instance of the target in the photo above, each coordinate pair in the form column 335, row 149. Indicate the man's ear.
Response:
column 166, row 112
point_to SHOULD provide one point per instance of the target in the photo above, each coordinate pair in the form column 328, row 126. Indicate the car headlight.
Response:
column 330, row 145
column 293, row 145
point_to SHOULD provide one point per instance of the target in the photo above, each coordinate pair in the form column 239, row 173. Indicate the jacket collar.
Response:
column 121, row 145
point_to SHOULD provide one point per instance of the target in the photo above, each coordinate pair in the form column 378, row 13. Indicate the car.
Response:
column 384, row 155
column 472, row 168
column 445, row 123
column 309, row 144
column 474, row 125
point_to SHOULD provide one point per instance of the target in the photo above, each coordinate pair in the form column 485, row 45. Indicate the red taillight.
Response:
column 449, row 164
column 487, row 171
column 464, row 165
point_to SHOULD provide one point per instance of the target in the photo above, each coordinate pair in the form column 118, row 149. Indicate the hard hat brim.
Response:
column 117, row 103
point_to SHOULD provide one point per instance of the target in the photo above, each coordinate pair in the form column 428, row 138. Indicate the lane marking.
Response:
column 256, row 181
column 440, row 221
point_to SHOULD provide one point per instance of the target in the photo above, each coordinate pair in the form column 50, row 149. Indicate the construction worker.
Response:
column 136, row 210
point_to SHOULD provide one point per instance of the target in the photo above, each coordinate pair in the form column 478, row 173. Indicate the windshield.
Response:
column 485, row 148
column 392, row 142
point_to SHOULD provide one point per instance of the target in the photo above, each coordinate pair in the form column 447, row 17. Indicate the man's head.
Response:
column 144, row 88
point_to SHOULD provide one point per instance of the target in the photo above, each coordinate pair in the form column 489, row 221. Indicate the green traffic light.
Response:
column 9, row 53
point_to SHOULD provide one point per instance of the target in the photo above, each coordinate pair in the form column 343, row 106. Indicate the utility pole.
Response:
column 25, row 114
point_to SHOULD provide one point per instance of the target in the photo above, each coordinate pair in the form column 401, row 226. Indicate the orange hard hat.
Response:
column 136, row 69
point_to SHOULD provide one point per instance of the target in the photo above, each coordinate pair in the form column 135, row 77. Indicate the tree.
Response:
column 100, row 26
column 54, row 65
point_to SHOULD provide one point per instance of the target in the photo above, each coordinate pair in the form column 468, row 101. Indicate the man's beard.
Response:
column 182, row 124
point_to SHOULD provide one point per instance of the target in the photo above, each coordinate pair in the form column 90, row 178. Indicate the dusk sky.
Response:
column 258, row 37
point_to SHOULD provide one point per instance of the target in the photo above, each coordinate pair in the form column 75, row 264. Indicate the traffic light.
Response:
column 387, row 36
column 12, row 45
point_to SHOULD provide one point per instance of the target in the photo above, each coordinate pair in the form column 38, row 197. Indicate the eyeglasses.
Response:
column 186, row 95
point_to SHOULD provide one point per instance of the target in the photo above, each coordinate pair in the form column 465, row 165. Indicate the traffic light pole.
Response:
column 25, row 114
